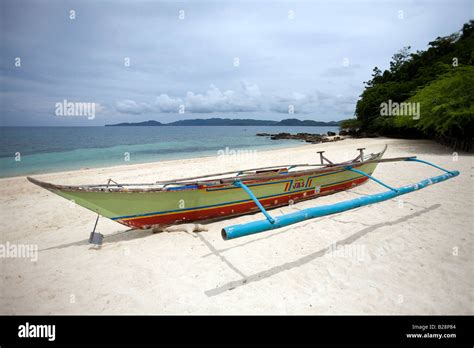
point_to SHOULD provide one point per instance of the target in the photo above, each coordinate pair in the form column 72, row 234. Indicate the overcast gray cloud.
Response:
column 247, row 98
column 215, row 58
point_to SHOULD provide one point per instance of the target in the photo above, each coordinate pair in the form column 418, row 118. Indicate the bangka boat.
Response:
column 223, row 195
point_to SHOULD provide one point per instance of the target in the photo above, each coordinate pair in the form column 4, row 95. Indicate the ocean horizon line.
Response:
column 164, row 125
column 34, row 150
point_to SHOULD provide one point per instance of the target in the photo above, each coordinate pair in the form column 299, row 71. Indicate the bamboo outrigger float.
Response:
column 223, row 195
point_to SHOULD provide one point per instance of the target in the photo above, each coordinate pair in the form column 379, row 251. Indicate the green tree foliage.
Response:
column 350, row 123
column 446, row 107
column 440, row 78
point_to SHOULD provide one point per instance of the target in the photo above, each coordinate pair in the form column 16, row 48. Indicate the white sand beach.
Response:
column 410, row 255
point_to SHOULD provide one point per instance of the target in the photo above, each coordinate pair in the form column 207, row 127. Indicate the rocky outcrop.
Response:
column 307, row 137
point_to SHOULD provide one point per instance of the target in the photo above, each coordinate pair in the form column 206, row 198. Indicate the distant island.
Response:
column 231, row 122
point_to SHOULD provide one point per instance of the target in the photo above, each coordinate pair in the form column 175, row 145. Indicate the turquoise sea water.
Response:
column 32, row 150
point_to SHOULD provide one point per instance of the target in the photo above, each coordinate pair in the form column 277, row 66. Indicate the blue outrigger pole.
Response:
column 271, row 223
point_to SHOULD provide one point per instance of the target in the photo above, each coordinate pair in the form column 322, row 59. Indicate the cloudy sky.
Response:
column 141, row 60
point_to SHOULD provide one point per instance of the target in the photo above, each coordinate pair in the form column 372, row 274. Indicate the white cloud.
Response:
column 128, row 106
column 247, row 98
column 165, row 103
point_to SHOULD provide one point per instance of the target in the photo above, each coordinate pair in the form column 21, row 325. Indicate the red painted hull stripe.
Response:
column 229, row 210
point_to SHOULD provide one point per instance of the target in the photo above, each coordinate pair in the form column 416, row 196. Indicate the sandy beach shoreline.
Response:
column 410, row 255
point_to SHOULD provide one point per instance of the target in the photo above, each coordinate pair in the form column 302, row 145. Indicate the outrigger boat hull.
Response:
column 152, row 206
column 186, row 200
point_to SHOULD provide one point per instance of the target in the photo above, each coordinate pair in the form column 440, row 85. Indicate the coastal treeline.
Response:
column 423, row 94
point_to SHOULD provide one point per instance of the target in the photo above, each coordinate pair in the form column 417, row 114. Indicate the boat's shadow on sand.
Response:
column 246, row 279
column 116, row 237
column 305, row 259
